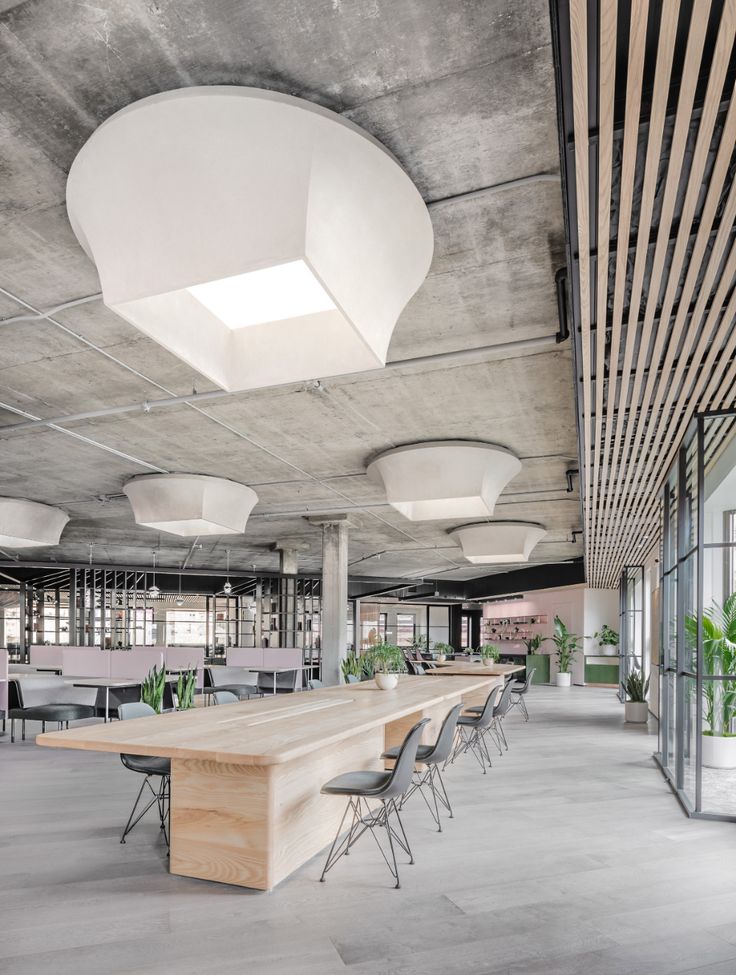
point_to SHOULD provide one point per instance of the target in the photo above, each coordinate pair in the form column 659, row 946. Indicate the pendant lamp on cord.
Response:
column 153, row 591
column 280, row 241
column 228, row 587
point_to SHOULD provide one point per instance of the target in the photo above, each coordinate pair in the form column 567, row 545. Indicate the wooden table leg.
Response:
column 254, row 825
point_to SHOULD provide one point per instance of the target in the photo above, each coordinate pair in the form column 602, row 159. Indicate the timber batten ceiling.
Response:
column 647, row 89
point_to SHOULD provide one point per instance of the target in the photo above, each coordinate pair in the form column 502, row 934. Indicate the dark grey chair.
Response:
column 226, row 679
column 473, row 729
column 225, row 697
column 352, row 679
column 432, row 757
column 285, row 682
column 499, row 713
column 46, row 699
column 387, row 788
column 519, row 692
column 151, row 768
column 314, row 684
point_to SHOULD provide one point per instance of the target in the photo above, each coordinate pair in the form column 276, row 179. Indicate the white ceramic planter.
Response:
column 441, row 658
column 636, row 712
column 563, row 680
column 387, row 682
column 719, row 752
column 488, row 661
column 606, row 650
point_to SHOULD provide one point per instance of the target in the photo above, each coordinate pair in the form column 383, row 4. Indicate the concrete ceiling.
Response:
column 464, row 96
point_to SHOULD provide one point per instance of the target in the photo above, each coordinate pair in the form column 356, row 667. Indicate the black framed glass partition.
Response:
column 697, row 742
column 631, row 625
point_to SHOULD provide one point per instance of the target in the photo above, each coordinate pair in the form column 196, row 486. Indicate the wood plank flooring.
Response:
column 571, row 857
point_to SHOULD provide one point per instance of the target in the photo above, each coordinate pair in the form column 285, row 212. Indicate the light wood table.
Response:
column 245, row 778
column 450, row 668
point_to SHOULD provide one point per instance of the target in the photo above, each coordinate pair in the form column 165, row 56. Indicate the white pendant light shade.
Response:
column 498, row 542
column 24, row 524
column 444, row 478
column 259, row 237
column 190, row 504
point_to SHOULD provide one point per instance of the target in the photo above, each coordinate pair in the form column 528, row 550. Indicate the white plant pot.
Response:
column 488, row 661
column 607, row 650
column 387, row 682
column 636, row 712
column 719, row 752
column 441, row 658
column 563, row 680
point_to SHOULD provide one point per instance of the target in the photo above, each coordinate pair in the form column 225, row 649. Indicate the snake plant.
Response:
column 152, row 688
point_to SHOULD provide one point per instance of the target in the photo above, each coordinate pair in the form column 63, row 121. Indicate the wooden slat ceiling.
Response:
column 648, row 127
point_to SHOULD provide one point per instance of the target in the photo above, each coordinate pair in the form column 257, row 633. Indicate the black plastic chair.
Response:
column 433, row 756
column 387, row 788
column 519, row 692
column 473, row 729
column 499, row 713
column 150, row 767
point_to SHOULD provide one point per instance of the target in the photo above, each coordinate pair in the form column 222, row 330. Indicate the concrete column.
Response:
column 334, row 595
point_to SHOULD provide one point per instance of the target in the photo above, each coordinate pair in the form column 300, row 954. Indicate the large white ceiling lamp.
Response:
column 259, row 237
column 190, row 504
column 498, row 542
column 444, row 478
column 24, row 524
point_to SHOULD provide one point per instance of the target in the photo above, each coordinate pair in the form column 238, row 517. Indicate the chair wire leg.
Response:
column 405, row 844
column 336, row 851
column 522, row 705
column 134, row 822
column 443, row 797
column 395, row 870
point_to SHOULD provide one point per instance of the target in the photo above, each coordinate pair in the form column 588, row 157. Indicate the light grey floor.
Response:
column 571, row 857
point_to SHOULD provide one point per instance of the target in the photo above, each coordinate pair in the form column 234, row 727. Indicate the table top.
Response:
column 450, row 668
column 270, row 730
column 102, row 682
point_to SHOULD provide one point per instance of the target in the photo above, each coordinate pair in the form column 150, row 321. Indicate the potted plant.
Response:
column 352, row 665
column 152, row 688
column 719, row 696
column 567, row 644
column 441, row 651
column 388, row 662
column 535, row 659
column 607, row 639
column 489, row 654
column 636, row 709
column 185, row 689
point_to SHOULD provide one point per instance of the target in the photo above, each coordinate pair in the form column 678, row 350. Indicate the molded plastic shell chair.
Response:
column 352, row 679
column 432, row 757
column 473, row 729
column 152, row 768
column 314, row 684
column 225, row 697
column 386, row 788
column 519, row 692
column 499, row 713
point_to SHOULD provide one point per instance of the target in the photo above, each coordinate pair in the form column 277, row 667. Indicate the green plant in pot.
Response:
column 636, row 688
column 607, row 639
column 442, row 651
column 152, row 688
column 185, row 686
column 567, row 644
column 352, row 666
column 489, row 654
column 388, row 663
column 719, row 696
column 534, row 643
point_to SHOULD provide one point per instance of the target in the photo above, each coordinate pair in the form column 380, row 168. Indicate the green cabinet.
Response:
column 540, row 663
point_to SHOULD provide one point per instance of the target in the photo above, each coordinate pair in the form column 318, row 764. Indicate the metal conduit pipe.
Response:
column 502, row 350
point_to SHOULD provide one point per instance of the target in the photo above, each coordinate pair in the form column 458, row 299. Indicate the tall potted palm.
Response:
column 567, row 644
column 719, row 696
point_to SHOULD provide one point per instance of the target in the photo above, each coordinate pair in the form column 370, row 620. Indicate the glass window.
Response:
column 186, row 627
column 405, row 629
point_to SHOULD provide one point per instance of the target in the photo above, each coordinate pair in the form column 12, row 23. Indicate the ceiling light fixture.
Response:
column 444, row 478
column 281, row 243
column 190, row 504
column 498, row 542
column 153, row 591
column 228, row 587
column 25, row 524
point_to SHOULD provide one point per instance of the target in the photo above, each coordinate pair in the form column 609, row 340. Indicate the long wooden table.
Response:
column 451, row 668
column 246, row 807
